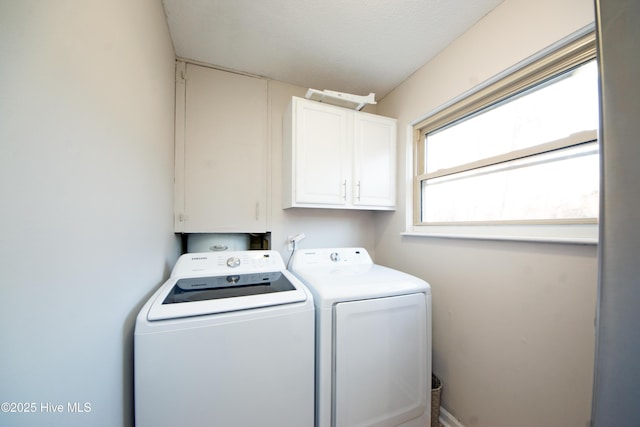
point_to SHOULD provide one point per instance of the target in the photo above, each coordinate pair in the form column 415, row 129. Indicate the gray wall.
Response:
column 616, row 387
column 86, row 140
column 86, row 114
column 513, row 322
column 86, row 168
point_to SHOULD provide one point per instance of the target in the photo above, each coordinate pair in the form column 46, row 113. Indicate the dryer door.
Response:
column 380, row 361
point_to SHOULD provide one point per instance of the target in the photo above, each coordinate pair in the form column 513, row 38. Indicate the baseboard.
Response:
column 448, row 420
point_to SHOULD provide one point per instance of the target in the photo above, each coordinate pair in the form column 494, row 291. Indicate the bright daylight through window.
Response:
column 523, row 151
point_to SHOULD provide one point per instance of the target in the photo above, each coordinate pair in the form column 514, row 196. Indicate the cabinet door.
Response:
column 374, row 161
column 320, row 153
column 225, row 152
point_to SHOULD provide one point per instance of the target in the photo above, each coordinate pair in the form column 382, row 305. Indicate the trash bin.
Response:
column 436, row 391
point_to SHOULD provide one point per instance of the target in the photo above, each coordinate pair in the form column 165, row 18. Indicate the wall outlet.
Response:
column 293, row 241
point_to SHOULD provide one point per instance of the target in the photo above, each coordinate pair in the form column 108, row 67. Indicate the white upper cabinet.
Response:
column 337, row 158
column 221, row 151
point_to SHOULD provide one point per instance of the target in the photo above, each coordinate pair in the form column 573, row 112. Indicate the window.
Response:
column 522, row 151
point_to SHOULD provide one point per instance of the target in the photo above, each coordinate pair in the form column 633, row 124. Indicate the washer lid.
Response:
column 193, row 296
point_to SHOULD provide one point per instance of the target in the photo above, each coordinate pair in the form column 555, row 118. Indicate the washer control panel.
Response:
column 213, row 263
column 233, row 262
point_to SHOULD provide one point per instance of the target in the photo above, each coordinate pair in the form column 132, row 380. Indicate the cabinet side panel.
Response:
column 288, row 166
column 178, row 183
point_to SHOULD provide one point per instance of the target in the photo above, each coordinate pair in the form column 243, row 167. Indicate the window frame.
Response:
column 563, row 56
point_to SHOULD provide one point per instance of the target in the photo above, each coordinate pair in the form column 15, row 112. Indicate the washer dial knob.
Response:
column 233, row 262
column 335, row 256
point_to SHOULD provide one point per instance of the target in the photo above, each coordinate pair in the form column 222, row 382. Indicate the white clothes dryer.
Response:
column 227, row 340
column 373, row 340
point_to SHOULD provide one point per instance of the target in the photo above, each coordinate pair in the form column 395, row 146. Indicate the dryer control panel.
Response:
column 331, row 257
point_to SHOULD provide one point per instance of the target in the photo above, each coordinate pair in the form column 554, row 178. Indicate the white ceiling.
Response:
column 354, row 46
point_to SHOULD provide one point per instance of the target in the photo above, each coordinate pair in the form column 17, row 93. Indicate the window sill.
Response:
column 580, row 234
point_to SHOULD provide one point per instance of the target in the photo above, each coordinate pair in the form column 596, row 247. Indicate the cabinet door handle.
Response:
column 358, row 191
column 257, row 211
column 344, row 190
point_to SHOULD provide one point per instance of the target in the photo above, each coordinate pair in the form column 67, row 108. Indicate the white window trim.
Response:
column 573, row 233
column 583, row 234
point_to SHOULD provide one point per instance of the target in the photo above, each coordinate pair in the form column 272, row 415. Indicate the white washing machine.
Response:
column 227, row 340
column 373, row 340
